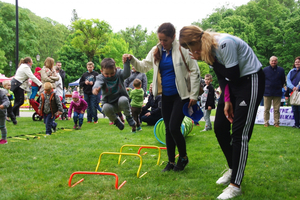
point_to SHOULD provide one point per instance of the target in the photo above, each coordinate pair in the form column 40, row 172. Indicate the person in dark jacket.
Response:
column 135, row 74
column 87, row 81
column 275, row 80
column 153, row 115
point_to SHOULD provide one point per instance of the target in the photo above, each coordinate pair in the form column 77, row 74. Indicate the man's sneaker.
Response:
column 130, row 121
column 75, row 126
column 2, row 141
column 119, row 124
column 230, row 192
column 225, row 179
column 169, row 167
column 139, row 128
column 181, row 163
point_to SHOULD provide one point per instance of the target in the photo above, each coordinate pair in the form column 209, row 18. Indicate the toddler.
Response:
column 137, row 98
column 34, row 86
column 50, row 106
column 114, row 95
column 79, row 105
column 4, row 103
column 7, row 85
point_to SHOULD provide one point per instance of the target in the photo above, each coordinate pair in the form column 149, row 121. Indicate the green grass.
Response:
column 40, row 168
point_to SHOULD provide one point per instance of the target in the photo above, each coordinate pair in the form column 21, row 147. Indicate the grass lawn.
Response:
column 40, row 168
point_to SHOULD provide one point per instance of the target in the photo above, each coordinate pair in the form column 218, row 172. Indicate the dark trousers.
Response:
column 136, row 115
column 245, row 96
column 49, row 122
column 10, row 113
column 19, row 100
column 296, row 111
column 173, row 116
column 151, row 119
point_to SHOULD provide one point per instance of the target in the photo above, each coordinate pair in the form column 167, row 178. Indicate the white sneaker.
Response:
column 230, row 192
column 225, row 179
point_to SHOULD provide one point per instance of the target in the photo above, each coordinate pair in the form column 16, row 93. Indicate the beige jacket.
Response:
column 48, row 75
column 180, row 71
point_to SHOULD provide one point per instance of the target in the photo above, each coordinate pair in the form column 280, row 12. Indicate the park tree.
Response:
column 136, row 38
column 91, row 36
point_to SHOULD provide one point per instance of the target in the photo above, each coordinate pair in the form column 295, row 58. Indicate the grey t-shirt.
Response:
column 113, row 88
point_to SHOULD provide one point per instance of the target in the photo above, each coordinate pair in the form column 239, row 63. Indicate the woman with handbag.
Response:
column 293, row 82
column 178, row 85
column 241, row 78
column 20, row 83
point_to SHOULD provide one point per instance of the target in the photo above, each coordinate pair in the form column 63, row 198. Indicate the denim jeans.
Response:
column 78, row 117
column 34, row 90
column 92, row 107
column 296, row 111
column 50, row 123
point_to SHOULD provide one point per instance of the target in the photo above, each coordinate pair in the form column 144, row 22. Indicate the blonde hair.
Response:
column 47, row 86
column 90, row 63
column 6, row 82
column 195, row 34
column 49, row 62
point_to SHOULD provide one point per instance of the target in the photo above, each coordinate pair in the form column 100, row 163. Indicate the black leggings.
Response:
column 19, row 100
column 173, row 116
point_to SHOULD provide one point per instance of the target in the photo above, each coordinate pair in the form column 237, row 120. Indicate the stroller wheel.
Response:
column 64, row 116
column 36, row 117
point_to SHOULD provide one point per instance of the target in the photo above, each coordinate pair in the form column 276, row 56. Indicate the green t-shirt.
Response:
column 137, row 97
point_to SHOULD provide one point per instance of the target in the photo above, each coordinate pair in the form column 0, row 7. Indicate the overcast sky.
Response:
column 127, row 13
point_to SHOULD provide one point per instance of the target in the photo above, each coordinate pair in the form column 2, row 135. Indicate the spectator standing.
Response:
column 62, row 74
column 154, row 104
column 22, row 75
column 135, row 74
column 58, row 85
column 274, row 82
column 87, row 82
column 293, row 80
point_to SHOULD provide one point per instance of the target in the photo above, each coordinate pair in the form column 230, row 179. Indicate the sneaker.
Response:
column 111, row 123
column 89, row 122
column 2, row 141
column 181, row 164
column 133, row 131
column 204, row 130
column 15, row 122
column 48, row 133
column 78, row 128
column 266, row 125
column 139, row 128
column 54, row 128
column 225, row 179
column 75, row 126
column 277, row 126
column 96, row 122
column 119, row 124
column 230, row 192
column 169, row 167
column 122, row 119
column 130, row 121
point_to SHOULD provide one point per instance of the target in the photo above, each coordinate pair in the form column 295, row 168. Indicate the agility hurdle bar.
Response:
column 117, row 153
column 96, row 173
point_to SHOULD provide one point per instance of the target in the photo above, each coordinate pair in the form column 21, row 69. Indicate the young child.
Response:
column 34, row 86
column 50, row 106
column 114, row 95
column 79, row 106
column 208, row 101
column 4, row 103
column 137, row 98
column 10, row 95
column 86, row 82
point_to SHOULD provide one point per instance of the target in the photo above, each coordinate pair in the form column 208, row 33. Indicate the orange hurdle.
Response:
column 96, row 173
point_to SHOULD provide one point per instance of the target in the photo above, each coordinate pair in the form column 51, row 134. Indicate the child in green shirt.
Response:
column 137, row 98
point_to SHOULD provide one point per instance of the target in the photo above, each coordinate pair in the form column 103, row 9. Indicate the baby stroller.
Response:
column 37, row 117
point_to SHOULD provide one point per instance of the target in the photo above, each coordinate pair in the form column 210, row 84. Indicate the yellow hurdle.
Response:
column 117, row 153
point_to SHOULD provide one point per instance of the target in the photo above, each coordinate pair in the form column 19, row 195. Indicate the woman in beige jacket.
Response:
column 48, row 74
column 170, row 80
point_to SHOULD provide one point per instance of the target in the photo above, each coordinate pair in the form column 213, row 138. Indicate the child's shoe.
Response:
column 122, row 118
column 130, row 121
column 2, row 141
column 78, row 128
column 75, row 126
column 96, row 122
column 133, row 130
column 111, row 123
column 15, row 122
column 89, row 122
column 139, row 128
column 54, row 128
column 119, row 124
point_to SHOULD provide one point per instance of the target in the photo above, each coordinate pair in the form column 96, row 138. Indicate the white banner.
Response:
column 286, row 116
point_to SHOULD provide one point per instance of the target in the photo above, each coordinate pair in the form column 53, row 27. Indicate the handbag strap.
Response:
column 295, row 75
column 187, row 68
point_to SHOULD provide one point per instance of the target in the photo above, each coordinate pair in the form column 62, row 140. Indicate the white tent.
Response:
column 74, row 83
